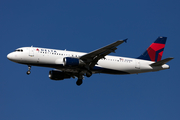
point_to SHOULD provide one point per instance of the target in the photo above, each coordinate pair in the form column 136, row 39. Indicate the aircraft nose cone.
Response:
column 10, row 56
column 14, row 57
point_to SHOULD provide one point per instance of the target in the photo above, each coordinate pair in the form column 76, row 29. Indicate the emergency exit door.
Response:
column 137, row 64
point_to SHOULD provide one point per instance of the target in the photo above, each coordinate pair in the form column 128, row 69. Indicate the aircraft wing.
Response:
column 93, row 57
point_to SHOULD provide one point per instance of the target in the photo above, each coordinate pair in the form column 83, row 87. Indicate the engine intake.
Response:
column 58, row 75
column 69, row 61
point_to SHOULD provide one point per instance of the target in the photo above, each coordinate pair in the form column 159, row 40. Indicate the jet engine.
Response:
column 69, row 61
column 58, row 75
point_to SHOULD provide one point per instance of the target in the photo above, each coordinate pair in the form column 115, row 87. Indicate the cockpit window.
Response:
column 19, row 50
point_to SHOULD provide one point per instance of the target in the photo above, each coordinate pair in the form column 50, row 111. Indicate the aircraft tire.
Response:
column 79, row 82
column 28, row 72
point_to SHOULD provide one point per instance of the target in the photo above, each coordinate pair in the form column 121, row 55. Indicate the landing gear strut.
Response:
column 29, row 70
column 88, row 73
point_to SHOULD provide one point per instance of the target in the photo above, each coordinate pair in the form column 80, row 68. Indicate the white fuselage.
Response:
column 54, row 58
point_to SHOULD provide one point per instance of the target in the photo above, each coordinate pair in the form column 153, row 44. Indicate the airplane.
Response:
column 70, row 64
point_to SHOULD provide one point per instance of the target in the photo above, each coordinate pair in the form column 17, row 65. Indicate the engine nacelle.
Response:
column 69, row 61
column 58, row 75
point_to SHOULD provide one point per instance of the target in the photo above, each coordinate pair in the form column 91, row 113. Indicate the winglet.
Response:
column 125, row 40
column 162, row 62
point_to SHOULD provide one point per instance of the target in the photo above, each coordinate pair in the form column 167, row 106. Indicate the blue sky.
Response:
column 85, row 26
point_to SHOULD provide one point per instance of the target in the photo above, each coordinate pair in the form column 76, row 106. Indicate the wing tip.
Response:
column 125, row 40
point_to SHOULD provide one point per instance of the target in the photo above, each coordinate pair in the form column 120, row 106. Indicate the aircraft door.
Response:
column 137, row 66
column 31, row 51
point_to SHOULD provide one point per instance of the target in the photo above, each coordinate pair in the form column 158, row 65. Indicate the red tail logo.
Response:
column 155, row 50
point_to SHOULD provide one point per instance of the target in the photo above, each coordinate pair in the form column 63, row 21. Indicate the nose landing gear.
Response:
column 29, row 70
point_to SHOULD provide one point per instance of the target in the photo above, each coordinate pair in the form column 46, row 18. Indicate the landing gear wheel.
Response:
column 79, row 82
column 28, row 72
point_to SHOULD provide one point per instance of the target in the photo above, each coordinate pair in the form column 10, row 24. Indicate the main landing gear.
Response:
column 80, row 77
column 80, row 80
column 29, row 70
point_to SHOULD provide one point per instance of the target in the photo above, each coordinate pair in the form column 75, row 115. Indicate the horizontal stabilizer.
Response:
column 162, row 62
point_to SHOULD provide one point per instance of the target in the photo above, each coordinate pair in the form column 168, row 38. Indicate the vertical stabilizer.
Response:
column 155, row 51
